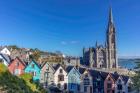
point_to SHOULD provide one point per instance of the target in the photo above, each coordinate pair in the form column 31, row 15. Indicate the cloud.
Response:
column 70, row 42
column 74, row 42
column 64, row 43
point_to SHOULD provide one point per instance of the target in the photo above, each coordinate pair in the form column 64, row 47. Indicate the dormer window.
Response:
column 119, row 81
column 33, row 65
column 60, row 71
column 86, row 81
column 17, row 64
column 109, row 85
column 119, row 86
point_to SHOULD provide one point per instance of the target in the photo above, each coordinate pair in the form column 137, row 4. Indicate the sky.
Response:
column 69, row 25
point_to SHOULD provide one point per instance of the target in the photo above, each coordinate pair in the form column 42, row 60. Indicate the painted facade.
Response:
column 109, row 84
column 17, row 66
column 6, row 51
column 34, row 69
column 74, row 79
column 128, row 84
column 47, row 74
column 87, row 82
column 60, row 77
column 97, row 81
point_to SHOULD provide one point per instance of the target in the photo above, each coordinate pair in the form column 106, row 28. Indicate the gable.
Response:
column 109, row 77
column 74, row 72
column 5, row 51
column 32, row 66
column 47, row 66
column 120, row 80
column 58, row 70
column 16, row 62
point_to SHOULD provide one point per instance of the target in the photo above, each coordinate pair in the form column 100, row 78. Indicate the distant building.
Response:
column 103, row 56
column 6, row 51
column 71, row 61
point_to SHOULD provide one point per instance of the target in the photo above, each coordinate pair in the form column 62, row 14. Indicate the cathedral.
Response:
column 103, row 56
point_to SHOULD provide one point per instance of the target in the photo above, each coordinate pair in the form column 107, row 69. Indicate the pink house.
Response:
column 109, row 84
column 17, row 66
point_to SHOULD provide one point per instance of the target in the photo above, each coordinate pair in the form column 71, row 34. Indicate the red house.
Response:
column 17, row 66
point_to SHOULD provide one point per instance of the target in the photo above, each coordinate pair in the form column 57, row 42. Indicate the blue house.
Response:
column 34, row 69
column 97, row 81
column 73, row 79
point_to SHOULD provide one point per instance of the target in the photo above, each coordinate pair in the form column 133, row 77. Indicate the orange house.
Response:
column 17, row 66
column 109, row 82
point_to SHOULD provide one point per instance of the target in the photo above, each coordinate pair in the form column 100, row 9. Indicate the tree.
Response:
column 136, row 78
column 14, row 47
column 36, row 54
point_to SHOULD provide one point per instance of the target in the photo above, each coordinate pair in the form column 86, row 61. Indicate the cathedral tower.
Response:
column 111, row 42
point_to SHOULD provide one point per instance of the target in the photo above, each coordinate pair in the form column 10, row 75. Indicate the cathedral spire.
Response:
column 110, row 15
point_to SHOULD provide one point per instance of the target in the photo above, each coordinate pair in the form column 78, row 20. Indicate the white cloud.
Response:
column 70, row 42
column 74, row 42
column 64, row 43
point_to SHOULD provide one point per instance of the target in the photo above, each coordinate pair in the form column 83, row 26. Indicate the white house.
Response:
column 6, row 51
column 5, row 59
column 128, row 83
column 60, row 77
column 123, row 85
column 120, row 85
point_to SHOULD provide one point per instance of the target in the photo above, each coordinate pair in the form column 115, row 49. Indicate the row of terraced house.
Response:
column 72, row 79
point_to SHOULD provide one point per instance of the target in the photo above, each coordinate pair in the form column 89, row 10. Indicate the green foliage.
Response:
column 36, row 54
column 14, row 47
column 26, row 76
column 13, row 84
column 136, row 78
column 3, row 68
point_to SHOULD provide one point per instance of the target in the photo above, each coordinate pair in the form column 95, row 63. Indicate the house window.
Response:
column 60, row 77
column 78, row 88
column 17, row 71
column 109, row 79
column 119, row 81
column 109, row 85
column 119, row 86
column 33, row 65
column 59, row 85
column 60, row 71
column 72, row 86
column 65, row 86
column 33, row 73
column 129, row 89
column 108, row 91
column 86, row 81
column 17, row 64
column 85, row 88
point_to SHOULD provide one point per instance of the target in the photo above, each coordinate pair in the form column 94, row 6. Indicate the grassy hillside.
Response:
column 13, row 84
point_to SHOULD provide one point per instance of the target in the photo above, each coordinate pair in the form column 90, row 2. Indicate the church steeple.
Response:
column 111, row 41
column 110, row 16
